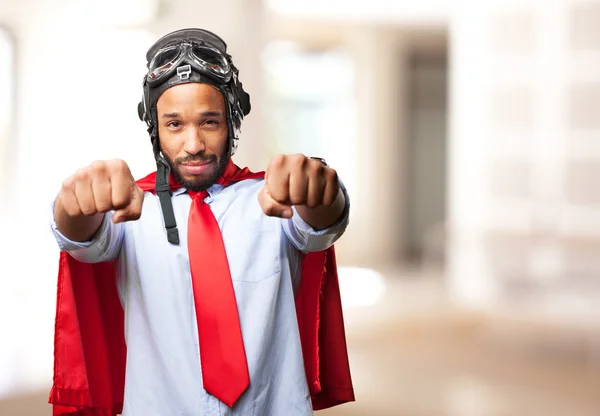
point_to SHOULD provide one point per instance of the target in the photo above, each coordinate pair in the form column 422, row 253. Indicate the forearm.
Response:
column 324, row 217
column 80, row 228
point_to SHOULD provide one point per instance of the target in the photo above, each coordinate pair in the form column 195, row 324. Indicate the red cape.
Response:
column 89, row 343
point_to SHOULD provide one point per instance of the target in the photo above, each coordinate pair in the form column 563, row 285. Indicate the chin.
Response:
column 200, row 181
column 200, row 177
column 196, row 183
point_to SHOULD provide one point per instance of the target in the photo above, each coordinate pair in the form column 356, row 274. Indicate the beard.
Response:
column 198, row 184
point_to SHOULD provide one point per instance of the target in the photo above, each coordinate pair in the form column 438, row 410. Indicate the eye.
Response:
column 174, row 124
column 212, row 123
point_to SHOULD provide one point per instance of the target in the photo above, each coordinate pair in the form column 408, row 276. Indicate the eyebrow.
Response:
column 204, row 114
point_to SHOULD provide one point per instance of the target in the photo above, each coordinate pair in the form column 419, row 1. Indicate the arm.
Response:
column 310, row 197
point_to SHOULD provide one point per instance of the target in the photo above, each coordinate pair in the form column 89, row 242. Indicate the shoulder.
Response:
column 246, row 187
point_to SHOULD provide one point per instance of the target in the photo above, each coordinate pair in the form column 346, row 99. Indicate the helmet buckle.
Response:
column 184, row 72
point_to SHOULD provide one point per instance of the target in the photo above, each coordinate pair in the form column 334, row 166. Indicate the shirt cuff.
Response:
column 66, row 244
column 338, row 227
column 306, row 239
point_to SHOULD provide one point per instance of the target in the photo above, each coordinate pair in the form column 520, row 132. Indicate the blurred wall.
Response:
column 523, row 206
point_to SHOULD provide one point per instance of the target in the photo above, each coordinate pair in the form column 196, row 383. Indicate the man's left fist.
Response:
column 297, row 180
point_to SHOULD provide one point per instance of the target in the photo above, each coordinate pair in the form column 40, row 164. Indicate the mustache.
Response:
column 202, row 158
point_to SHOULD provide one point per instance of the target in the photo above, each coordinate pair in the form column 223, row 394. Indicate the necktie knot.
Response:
column 195, row 194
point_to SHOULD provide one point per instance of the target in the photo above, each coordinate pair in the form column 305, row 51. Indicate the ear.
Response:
column 244, row 99
column 243, row 96
column 141, row 110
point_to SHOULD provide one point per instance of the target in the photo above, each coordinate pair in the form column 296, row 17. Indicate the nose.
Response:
column 194, row 142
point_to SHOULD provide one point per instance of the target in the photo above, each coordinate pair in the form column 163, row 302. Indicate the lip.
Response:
column 195, row 168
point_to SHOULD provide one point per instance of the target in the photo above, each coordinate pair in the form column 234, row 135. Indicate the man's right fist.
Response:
column 101, row 187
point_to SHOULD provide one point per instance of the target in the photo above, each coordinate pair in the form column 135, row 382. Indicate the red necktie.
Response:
column 222, row 355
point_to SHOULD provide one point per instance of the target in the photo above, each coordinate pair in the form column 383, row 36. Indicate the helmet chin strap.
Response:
column 163, row 190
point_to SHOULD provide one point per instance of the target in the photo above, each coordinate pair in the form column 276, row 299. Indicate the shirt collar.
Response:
column 213, row 191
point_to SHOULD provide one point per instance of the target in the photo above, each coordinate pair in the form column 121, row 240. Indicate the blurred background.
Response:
column 467, row 133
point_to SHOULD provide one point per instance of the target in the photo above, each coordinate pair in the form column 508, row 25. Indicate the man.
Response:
column 225, row 279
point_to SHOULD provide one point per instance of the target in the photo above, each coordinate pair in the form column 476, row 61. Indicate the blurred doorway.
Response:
column 426, row 148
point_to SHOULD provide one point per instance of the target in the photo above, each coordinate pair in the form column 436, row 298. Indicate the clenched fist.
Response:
column 101, row 187
column 96, row 189
column 300, row 181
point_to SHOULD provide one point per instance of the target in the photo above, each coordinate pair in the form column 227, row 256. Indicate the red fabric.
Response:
column 89, row 343
column 224, row 366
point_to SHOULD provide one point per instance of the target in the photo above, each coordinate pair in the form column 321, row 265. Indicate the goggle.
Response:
column 205, row 59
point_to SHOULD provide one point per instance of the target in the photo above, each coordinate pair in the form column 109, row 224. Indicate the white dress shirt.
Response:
column 163, row 374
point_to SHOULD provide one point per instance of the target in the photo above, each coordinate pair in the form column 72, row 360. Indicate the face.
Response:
column 193, row 133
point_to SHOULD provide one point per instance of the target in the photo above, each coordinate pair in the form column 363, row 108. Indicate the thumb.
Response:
column 133, row 211
column 271, row 207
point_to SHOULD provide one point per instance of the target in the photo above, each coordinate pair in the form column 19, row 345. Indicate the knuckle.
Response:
column 119, row 165
column 277, row 161
column 97, row 166
column 299, row 160
column 68, row 183
column 88, row 211
column 81, row 175
column 318, row 167
column 312, row 204
column 72, row 210
column 96, row 169
column 103, row 206
column 298, row 199
column 332, row 175
column 121, row 200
